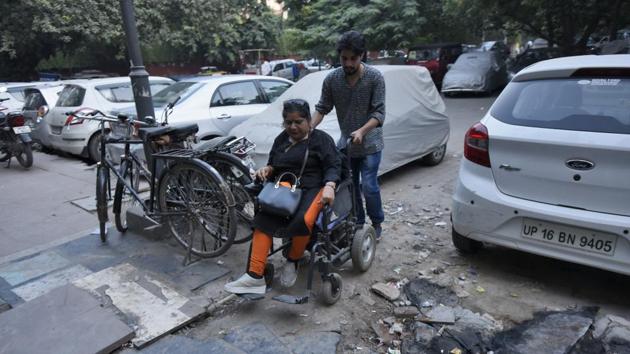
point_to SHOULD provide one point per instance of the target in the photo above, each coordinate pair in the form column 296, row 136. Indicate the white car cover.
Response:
column 415, row 116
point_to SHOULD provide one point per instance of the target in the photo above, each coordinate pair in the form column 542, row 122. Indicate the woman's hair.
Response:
column 351, row 40
column 296, row 105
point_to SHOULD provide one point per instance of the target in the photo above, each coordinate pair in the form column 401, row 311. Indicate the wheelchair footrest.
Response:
column 290, row 299
column 251, row 297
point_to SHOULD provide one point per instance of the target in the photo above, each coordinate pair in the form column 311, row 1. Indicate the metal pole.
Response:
column 139, row 76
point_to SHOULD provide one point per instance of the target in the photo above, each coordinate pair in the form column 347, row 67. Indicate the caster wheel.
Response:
column 331, row 289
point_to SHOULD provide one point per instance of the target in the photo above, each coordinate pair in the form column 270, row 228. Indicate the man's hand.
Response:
column 264, row 173
column 328, row 195
column 357, row 136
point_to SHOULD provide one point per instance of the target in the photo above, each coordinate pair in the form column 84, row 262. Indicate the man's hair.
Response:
column 351, row 40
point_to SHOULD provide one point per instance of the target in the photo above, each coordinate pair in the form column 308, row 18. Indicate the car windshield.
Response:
column 592, row 104
column 473, row 61
column 180, row 89
column 424, row 54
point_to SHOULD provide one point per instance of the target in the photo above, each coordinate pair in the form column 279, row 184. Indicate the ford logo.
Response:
column 579, row 164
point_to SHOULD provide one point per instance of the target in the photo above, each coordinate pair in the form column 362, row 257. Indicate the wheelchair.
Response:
column 336, row 239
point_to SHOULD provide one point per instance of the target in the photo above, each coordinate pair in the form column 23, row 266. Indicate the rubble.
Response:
column 387, row 291
column 440, row 314
column 406, row 311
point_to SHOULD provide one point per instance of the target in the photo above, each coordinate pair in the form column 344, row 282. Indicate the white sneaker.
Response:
column 246, row 284
column 288, row 276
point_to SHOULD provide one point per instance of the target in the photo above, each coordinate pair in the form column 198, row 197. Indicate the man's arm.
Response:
column 325, row 104
column 357, row 135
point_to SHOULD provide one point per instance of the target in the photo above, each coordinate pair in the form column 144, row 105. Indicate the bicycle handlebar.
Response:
column 100, row 116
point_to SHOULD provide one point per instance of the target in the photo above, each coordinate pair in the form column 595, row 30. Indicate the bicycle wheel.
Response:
column 101, row 200
column 123, row 199
column 236, row 175
column 194, row 206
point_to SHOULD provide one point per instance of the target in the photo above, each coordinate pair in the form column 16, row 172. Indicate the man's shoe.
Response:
column 288, row 276
column 378, row 229
column 246, row 284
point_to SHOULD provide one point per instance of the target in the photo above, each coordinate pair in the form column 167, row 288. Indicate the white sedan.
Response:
column 546, row 170
column 416, row 125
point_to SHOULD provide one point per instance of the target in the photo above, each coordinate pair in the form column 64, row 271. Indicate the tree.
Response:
column 566, row 23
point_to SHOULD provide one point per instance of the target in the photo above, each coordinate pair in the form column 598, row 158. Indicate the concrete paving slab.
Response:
column 21, row 271
column 39, row 287
column 315, row 343
column 181, row 344
column 65, row 320
column 256, row 338
column 155, row 308
column 199, row 274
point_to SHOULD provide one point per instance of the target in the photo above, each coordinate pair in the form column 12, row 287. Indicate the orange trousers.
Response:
column 261, row 242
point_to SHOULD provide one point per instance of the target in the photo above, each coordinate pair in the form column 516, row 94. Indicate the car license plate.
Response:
column 22, row 130
column 569, row 236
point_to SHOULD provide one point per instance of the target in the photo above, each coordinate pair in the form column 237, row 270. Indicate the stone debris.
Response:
column 437, row 270
column 426, row 304
column 440, row 224
column 480, row 289
column 614, row 333
column 423, row 332
column 389, row 292
column 406, row 311
column 440, row 314
column 396, row 328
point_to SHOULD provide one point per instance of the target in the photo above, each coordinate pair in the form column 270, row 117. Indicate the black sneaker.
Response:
column 378, row 229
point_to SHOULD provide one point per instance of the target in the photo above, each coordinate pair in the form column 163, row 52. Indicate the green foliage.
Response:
column 91, row 31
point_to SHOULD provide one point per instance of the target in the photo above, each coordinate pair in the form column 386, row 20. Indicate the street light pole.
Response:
column 139, row 76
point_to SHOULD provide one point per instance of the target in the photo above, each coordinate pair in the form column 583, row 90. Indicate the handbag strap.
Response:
column 303, row 163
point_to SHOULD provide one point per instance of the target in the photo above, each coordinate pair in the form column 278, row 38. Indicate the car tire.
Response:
column 464, row 244
column 435, row 157
column 94, row 146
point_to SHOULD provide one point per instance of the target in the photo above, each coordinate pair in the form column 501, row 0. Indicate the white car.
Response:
column 546, row 170
column 215, row 103
column 37, row 104
column 282, row 68
column 81, row 137
column 416, row 125
column 14, row 95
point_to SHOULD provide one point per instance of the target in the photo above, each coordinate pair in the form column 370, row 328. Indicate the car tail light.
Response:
column 72, row 120
column 476, row 145
column 16, row 120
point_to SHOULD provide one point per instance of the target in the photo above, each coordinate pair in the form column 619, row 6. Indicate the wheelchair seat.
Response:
column 148, row 134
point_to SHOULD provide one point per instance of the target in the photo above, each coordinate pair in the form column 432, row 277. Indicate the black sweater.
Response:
column 324, row 161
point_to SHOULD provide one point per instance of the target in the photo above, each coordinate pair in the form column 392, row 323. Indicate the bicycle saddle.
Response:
column 156, row 132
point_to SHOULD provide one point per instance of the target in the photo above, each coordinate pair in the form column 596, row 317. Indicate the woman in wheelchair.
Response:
column 321, row 173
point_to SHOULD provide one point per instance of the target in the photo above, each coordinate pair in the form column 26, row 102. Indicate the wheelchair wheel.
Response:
column 363, row 248
column 331, row 289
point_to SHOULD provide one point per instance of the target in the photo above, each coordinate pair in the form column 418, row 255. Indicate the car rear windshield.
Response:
column 34, row 99
column 583, row 104
column 473, row 61
column 71, row 96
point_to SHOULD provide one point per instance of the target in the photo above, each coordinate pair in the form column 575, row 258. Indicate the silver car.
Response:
column 81, row 137
column 37, row 104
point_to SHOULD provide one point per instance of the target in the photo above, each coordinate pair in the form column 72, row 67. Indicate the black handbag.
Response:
column 280, row 200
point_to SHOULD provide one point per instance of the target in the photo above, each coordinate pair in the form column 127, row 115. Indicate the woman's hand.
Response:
column 328, row 195
column 264, row 173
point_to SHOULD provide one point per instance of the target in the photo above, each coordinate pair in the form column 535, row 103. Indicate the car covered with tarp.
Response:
column 481, row 72
column 416, row 125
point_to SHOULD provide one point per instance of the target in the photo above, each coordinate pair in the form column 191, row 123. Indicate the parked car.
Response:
column 282, row 68
column 215, row 103
column 416, row 125
column 480, row 72
column 38, row 102
column 529, row 57
column 545, row 171
column 14, row 94
column 495, row 46
column 81, row 137
column 434, row 57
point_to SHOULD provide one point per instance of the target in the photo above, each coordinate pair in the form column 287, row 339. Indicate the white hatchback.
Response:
column 547, row 170
column 81, row 137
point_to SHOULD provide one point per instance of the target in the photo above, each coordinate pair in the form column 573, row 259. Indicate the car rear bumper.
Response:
column 483, row 213
column 74, row 143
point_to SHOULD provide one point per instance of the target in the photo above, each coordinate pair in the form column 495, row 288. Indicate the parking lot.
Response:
column 50, row 204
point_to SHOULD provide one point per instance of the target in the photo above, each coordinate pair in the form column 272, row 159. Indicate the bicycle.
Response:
column 186, row 193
